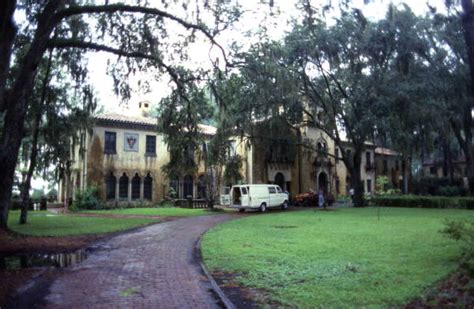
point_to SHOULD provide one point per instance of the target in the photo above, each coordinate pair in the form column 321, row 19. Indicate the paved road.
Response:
column 153, row 267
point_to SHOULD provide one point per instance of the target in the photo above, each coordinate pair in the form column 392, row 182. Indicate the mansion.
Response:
column 123, row 156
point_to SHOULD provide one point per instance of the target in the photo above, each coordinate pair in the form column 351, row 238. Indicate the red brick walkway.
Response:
column 151, row 268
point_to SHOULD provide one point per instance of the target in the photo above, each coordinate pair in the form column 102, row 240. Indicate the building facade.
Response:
column 123, row 156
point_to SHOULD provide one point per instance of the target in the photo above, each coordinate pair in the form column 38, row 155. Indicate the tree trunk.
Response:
column 468, row 25
column 405, row 168
column 8, row 32
column 356, row 180
column 25, row 188
column 17, row 105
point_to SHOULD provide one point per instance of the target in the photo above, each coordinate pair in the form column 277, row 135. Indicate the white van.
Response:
column 257, row 197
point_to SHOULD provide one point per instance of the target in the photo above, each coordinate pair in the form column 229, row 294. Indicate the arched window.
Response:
column 202, row 187
column 123, row 186
column 322, row 147
column 110, row 184
column 174, row 188
column 147, row 187
column 136, row 187
column 188, row 186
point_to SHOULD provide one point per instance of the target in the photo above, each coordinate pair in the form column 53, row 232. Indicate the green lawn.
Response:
column 342, row 258
column 42, row 223
column 157, row 211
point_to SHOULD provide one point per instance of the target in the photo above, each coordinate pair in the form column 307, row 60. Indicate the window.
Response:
column 147, row 187
column 232, row 148
column 367, row 158
column 110, row 183
column 188, row 185
column 433, row 170
column 150, row 145
column 136, row 187
column 123, row 186
column 110, row 142
column 397, row 167
column 369, row 185
column 202, row 187
column 271, row 190
column 322, row 148
column 385, row 166
column 174, row 188
column 244, row 190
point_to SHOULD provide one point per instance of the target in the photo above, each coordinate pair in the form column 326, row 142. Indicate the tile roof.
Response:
column 386, row 151
column 143, row 122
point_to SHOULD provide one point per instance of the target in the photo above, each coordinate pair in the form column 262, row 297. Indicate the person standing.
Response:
column 321, row 199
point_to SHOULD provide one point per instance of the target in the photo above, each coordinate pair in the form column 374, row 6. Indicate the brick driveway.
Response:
column 153, row 267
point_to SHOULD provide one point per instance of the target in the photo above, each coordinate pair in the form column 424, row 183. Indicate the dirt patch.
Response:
column 455, row 292
column 161, row 218
column 12, row 243
column 240, row 296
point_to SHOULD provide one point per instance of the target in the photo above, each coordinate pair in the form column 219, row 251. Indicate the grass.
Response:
column 156, row 211
column 342, row 258
column 42, row 223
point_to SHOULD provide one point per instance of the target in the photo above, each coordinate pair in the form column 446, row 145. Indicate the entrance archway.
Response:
column 323, row 182
column 280, row 180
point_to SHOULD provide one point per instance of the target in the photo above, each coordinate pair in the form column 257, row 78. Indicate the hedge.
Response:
column 417, row 201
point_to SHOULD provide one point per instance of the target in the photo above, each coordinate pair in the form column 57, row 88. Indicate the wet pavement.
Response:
column 153, row 267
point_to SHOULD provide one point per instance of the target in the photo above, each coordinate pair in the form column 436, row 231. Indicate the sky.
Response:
column 253, row 18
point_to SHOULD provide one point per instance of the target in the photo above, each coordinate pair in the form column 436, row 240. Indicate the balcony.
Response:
column 322, row 162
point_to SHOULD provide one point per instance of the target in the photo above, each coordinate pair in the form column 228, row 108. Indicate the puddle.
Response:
column 60, row 260
column 285, row 226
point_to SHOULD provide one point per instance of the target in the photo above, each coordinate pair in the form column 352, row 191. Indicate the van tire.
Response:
column 284, row 206
column 242, row 210
column 263, row 207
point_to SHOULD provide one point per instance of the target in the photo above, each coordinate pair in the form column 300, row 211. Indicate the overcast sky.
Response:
column 250, row 21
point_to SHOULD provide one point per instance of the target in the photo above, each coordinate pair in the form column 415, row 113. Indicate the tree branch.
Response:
column 120, row 8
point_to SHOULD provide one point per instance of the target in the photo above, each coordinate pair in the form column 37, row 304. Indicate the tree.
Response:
column 128, row 31
column 340, row 69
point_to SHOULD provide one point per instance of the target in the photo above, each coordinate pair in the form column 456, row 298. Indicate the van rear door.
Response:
column 245, row 196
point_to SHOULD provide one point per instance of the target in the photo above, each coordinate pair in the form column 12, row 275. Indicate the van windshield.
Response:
column 279, row 189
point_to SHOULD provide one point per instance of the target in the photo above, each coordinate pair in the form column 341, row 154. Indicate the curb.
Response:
column 215, row 287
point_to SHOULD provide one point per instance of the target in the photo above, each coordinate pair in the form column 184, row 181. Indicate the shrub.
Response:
column 87, row 199
column 438, row 186
column 462, row 231
column 417, row 201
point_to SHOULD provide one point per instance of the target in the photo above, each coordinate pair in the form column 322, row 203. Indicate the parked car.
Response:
column 306, row 199
column 261, row 197
column 311, row 198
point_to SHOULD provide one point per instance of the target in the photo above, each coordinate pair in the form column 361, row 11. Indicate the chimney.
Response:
column 144, row 107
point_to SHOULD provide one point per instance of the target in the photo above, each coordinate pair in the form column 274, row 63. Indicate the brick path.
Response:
column 153, row 267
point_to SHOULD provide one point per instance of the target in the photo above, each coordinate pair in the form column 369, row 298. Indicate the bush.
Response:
column 417, row 201
column 438, row 186
column 87, row 199
column 463, row 231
